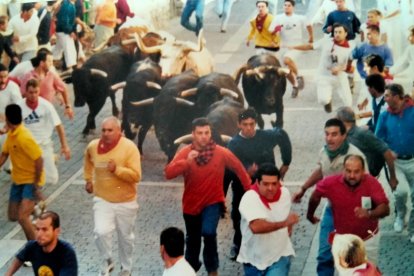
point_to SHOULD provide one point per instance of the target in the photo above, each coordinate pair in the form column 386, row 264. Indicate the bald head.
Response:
column 111, row 130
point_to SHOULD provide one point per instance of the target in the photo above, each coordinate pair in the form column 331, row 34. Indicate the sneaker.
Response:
column 301, row 82
column 398, row 225
column 124, row 273
column 411, row 239
column 295, row 92
column 328, row 107
column 233, row 253
column 222, row 30
column 106, row 267
column 27, row 264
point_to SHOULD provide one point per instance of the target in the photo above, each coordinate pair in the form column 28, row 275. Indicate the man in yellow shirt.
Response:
column 112, row 169
column 27, row 173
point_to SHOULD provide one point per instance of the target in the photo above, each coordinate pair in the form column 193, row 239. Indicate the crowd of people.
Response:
column 348, row 164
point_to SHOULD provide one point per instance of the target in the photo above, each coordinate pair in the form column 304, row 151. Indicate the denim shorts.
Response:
column 21, row 191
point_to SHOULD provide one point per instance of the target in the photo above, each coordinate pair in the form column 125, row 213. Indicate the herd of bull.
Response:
column 167, row 83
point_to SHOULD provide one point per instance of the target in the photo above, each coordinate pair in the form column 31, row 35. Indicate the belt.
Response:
column 406, row 156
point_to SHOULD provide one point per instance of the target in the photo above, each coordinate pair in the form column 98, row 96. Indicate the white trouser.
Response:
column 66, row 45
column 372, row 247
column 102, row 34
column 121, row 217
column 327, row 84
column 49, row 164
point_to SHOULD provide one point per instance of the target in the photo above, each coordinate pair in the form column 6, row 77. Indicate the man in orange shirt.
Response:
column 112, row 169
column 202, row 164
column 105, row 22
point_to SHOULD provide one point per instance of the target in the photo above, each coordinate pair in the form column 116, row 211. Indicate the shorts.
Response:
column 21, row 191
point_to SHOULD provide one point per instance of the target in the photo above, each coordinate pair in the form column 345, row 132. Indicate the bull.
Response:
column 143, row 82
column 264, row 84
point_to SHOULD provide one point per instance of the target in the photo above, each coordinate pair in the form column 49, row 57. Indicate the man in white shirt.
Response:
column 172, row 253
column 292, row 26
column 331, row 73
column 266, row 225
column 25, row 26
column 40, row 117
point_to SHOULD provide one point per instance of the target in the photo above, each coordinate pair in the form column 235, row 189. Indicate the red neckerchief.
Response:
column 408, row 103
column 32, row 105
column 205, row 155
column 344, row 44
column 104, row 148
column 266, row 201
column 260, row 22
column 372, row 24
column 5, row 85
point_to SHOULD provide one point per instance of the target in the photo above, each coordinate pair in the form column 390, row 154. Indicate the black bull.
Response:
column 264, row 84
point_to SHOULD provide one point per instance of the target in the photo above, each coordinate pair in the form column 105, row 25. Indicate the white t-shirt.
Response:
column 21, row 69
column 9, row 95
column 26, row 31
column 262, row 250
column 293, row 27
column 331, row 55
column 40, row 121
column 180, row 268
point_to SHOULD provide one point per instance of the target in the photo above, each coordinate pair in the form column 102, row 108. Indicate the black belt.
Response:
column 406, row 156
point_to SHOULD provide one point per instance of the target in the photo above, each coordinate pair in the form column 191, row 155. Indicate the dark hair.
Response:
column 249, row 113
column 32, row 83
column 199, row 122
column 291, row 1
column 13, row 114
column 54, row 216
column 356, row 157
column 374, row 28
column 27, row 7
column 377, row 82
column 4, row 19
column 3, row 67
column 51, row 3
column 346, row 114
column 263, row 1
column 41, row 56
column 266, row 169
column 375, row 60
column 172, row 239
column 412, row 30
column 335, row 122
column 375, row 11
column 338, row 25
column 395, row 89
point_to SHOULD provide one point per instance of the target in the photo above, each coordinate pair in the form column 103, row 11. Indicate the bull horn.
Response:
column 145, row 49
column 66, row 73
column 99, row 72
column 143, row 102
column 128, row 41
column 118, row 85
column 151, row 84
column 225, row 138
column 183, row 139
column 228, row 92
column 184, row 102
column 239, row 72
column 189, row 92
column 283, row 71
column 258, row 71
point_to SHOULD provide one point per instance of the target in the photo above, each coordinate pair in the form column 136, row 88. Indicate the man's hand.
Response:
column 191, row 156
column 248, row 43
column 297, row 196
column 15, row 39
column 69, row 112
column 111, row 166
column 329, row 29
column 361, row 212
column 335, row 70
column 89, row 187
column 292, row 219
column 313, row 219
column 393, row 183
column 16, row 59
column 38, row 193
column 66, row 152
column 283, row 169
column 252, row 169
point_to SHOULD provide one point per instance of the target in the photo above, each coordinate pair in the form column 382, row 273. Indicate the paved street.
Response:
column 160, row 200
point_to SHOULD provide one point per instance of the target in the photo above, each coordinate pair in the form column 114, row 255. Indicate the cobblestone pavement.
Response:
column 160, row 201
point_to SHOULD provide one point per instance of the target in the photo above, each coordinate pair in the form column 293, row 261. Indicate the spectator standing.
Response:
column 223, row 10
column 122, row 12
column 191, row 6
column 266, row 225
column 357, row 200
column 25, row 27
column 6, row 43
column 112, row 168
column 172, row 253
column 395, row 127
column 253, row 147
column 45, row 19
column 105, row 22
column 48, row 254
column 202, row 164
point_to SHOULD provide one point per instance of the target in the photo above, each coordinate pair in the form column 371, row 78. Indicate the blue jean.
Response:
column 203, row 225
column 223, row 8
column 190, row 7
column 22, row 191
column 325, row 260
column 279, row 268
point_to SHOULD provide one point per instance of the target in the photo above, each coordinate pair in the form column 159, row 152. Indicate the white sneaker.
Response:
column 106, row 267
column 412, row 239
column 398, row 224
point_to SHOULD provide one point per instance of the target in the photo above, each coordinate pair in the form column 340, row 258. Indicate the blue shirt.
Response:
column 347, row 18
column 397, row 130
column 359, row 53
column 66, row 15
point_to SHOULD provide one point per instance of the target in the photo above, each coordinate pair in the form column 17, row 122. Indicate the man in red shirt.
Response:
column 202, row 164
column 358, row 201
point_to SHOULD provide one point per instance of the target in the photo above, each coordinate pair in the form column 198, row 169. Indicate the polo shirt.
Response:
column 49, row 85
